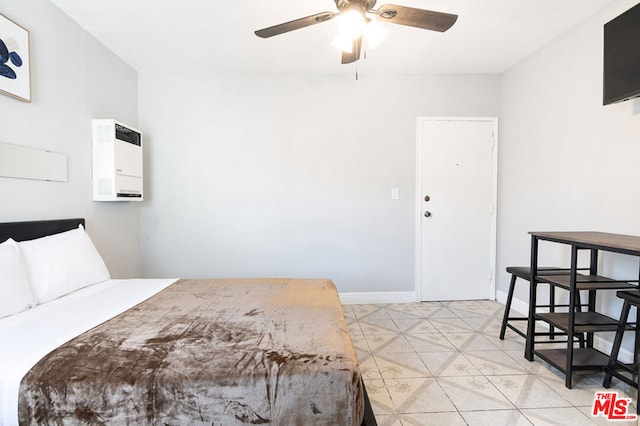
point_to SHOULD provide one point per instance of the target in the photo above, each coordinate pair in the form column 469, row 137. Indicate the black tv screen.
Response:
column 622, row 57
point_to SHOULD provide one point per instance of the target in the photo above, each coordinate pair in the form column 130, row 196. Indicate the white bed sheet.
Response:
column 28, row 336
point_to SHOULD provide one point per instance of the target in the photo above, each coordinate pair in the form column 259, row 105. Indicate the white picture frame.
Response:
column 15, row 65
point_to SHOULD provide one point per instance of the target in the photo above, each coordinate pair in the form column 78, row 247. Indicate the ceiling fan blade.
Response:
column 419, row 18
column 295, row 24
column 354, row 55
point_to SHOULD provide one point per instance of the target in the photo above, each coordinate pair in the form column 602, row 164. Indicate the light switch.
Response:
column 395, row 193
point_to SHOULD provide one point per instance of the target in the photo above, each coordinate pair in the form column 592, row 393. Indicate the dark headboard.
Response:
column 21, row 231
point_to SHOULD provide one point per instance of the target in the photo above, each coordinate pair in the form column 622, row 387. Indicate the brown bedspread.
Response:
column 220, row 352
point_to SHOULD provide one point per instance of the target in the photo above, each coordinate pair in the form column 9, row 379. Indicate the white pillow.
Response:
column 61, row 263
column 15, row 292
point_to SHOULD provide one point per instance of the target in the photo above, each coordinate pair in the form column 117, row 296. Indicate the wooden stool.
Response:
column 524, row 272
column 631, row 298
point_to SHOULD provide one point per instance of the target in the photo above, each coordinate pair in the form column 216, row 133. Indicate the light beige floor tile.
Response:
column 388, row 420
column 471, row 311
column 424, row 326
column 495, row 418
column 354, row 329
column 468, row 342
column 442, row 312
column 486, row 325
column 443, row 364
column 479, row 324
column 378, row 341
column 584, row 388
column 528, row 391
column 383, row 324
column 359, row 342
column 569, row 416
column 433, row 419
column 537, row 366
column 406, row 325
column 510, row 343
column 404, row 365
column 602, row 420
column 361, row 311
column 429, row 342
column 399, row 313
column 429, row 309
column 450, row 325
column 380, row 314
column 479, row 375
column 379, row 397
column 347, row 309
column 471, row 393
column 482, row 307
column 396, row 345
column 349, row 316
column 493, row 328
column 418, row 395
column 363, row 355
column 369, row 329
column 493, row 363
column 369, row 370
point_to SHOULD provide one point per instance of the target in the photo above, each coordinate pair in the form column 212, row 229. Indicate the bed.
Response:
column 173, row 351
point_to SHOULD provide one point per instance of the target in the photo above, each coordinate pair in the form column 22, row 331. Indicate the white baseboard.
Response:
column 516, row 304
column 604, row 345
column 378, row 297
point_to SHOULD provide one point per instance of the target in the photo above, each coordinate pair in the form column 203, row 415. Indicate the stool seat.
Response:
column 633, row 296
column 524, row 272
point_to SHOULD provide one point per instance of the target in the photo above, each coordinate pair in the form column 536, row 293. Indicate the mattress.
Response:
column 232, row 352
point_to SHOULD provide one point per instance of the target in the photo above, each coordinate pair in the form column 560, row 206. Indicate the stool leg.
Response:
column 613, row 358
column 552, row 309
column 636, row 365
column 507, row 307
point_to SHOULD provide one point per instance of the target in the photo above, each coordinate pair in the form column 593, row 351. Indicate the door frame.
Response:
column 493, row 206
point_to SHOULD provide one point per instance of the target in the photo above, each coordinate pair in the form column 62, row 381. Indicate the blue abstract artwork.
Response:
column 14, row 60
column 5, row 56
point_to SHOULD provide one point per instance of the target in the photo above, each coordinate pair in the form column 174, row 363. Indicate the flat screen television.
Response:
column 622, row 57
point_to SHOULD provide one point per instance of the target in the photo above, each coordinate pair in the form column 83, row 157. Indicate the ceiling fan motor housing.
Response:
column 363, row 5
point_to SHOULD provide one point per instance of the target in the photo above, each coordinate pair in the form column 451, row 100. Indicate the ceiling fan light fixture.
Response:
column 351, row 26
column 374, row 34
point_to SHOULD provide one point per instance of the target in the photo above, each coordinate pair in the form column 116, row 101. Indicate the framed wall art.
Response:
column 15, row 72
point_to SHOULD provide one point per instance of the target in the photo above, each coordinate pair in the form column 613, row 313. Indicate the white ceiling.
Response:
column 211, row 35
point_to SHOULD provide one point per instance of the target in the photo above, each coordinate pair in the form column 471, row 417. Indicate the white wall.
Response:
column 74, row 79
column 566, row 161
column 290, row 175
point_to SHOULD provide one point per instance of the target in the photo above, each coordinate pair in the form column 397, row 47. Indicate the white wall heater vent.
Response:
column 117, row 161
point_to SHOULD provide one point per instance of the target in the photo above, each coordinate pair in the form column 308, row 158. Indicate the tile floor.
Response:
column 443, row 364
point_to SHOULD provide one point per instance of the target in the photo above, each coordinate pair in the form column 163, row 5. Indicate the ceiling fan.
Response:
column 402, row 15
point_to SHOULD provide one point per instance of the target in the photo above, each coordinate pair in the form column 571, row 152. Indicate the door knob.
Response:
column 427, row 198
column 427, row 213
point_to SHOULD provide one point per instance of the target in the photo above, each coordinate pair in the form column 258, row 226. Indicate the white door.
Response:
column 456, row 184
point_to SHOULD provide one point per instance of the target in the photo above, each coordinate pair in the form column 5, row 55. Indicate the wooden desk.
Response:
column 572, row 322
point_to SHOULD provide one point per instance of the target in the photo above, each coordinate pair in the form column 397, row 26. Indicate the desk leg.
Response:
column 593, row 270
column 531, row 324
column 572, row 316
